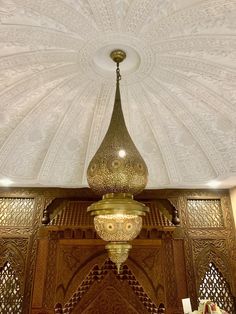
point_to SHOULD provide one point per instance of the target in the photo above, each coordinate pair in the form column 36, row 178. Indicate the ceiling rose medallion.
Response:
column 117, row 172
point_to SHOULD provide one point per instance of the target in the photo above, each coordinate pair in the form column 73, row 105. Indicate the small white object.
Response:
column 187, row 306
column 122, row 153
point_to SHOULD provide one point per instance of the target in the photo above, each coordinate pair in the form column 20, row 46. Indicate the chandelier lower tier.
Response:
column 117, row 172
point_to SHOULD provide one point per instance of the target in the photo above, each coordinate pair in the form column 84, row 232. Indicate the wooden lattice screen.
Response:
column 10, row 296
column 216, row 288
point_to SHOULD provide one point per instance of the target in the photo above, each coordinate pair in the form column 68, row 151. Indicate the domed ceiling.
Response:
column 178, row 88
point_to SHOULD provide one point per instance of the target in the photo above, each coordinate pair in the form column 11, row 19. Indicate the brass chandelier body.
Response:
column 117, row 172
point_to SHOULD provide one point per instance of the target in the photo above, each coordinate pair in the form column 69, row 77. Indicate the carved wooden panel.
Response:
column 14, row 251
column 149, row 261
column 76, row 261
column 19, row 221
column 206, row 251
column 204, row 213
column 13, row 254
column 31, row 253
column 208, row 229
column 16, row 216
column 154, row 268
column 214, row 287
column 11, row 295
column 127, row 291
column 16, row 212
column 111, row 296
column 125, row 281
column 51, row 273
column 75, row 267
column 170, row 279
column 73, row 213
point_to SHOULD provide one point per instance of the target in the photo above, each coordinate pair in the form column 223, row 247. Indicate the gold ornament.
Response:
column 117, row 171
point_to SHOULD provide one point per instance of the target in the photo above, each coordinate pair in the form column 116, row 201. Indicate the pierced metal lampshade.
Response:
column 117, row 171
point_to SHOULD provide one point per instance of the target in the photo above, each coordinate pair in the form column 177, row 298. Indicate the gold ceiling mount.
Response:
column 118, row 55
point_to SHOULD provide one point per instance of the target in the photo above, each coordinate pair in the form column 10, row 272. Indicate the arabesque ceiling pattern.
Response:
column 57, row 87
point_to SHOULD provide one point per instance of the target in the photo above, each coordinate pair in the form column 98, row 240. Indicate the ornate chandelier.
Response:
column 117, row 172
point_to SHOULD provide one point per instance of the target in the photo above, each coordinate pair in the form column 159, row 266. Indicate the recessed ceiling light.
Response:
column 5, row 182
column 214, row 184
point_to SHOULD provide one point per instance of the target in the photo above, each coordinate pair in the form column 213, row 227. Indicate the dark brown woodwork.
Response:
column 167, row 262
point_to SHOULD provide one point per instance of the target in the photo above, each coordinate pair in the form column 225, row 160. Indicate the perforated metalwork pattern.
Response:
column 113, row 228
column 215, row 288
column 205, row 213
column 10, row 295
column 117, row 166
column 16, row 212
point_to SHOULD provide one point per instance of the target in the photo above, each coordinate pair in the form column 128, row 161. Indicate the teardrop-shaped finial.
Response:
column 118, row 253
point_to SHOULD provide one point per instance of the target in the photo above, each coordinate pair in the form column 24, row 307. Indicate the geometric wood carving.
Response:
column 215, row 287
column 207, row 250
column 125, row 281
column 205, row 213
column 16, row 212
column 213, row 240
column 169, row 271
column 209, row 235
column 49, row 292
column 112, row 299
column 14, row 251
column 10, row 293
column 20, row 213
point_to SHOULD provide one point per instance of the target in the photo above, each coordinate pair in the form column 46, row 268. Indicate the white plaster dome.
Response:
column 178, row 88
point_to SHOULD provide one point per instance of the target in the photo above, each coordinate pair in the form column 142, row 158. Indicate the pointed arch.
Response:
column 215, row 287
column 11, row 297
column 106, row 277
